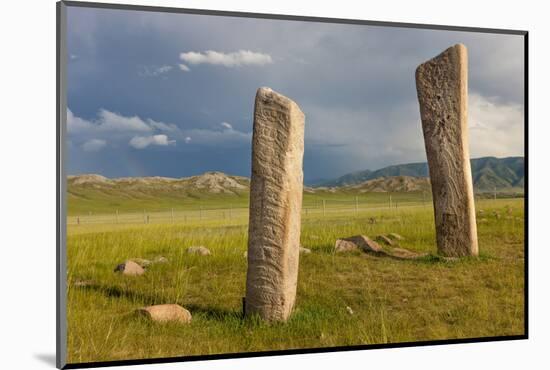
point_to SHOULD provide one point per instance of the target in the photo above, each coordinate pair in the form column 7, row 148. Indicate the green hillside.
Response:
column 488, row 173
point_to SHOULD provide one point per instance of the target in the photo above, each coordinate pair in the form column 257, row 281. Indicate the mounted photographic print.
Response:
column 234, row 184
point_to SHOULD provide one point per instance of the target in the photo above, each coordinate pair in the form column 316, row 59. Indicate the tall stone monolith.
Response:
column 442, row 87
column 275, row 206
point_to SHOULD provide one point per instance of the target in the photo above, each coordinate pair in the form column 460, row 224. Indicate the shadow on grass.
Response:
column 205, row 311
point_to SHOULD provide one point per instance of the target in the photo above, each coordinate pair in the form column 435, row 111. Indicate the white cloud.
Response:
column 141, row 133
column 153, row 71
column 496, row 129
column 167, row 127
column 235, row 59
column 141, row 142
column 226, row 125
column 106, row 121
column 94, row 145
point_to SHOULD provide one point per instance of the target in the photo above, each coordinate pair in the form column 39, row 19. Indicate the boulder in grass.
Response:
column 166, row 313
column 200, row 250
column 343, row 245
column 395, row 236
column 384, row 239
column 130, row 268
column 304, row 250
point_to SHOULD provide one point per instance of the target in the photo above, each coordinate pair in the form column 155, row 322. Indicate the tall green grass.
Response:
column 393, row 301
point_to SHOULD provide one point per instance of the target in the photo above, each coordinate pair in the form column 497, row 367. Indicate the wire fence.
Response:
column 320, row 208
column 353, row 205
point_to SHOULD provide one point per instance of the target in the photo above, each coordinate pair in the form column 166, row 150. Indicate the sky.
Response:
column 160, row 94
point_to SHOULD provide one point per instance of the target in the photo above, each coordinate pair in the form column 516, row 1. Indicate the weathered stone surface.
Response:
column 365, row 243
column 305, row 250
column 342, row 245
column 442, row 87
column 384, row 239
column 165, row 313
column 199, row 250
column 275, row 206
column 130, row 268
column 357, row 242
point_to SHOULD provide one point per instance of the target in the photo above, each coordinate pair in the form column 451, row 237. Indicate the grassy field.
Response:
column 393, row 301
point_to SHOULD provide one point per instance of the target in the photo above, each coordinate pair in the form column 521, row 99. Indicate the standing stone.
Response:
column 442, row 87
column 275, row 206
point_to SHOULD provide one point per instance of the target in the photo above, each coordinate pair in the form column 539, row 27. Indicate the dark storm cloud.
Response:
column 355, row 84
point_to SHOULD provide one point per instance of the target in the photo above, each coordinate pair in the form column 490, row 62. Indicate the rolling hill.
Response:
column 487, row 172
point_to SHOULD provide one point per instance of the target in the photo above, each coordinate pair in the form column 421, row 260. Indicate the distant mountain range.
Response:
column 488, row 173
column 91, row 190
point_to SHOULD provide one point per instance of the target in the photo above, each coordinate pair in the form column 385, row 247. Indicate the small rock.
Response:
column 160, row 259
column 245, row 254
column 405, row 300
column 200, row 250
column 142, row 262
column 350, row 311
column 395, row 236
column 83, row 283
column 344, row 246
column 165, row 313
column 130, row 268
column 384, row 239
column 305, row 250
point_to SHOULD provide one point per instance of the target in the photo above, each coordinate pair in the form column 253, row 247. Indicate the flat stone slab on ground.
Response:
column 305, row 250
column 370, row 247
column 166, row 313
column 395, row 236
column 384, row 239
column 130, row 268
column 200, row 250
